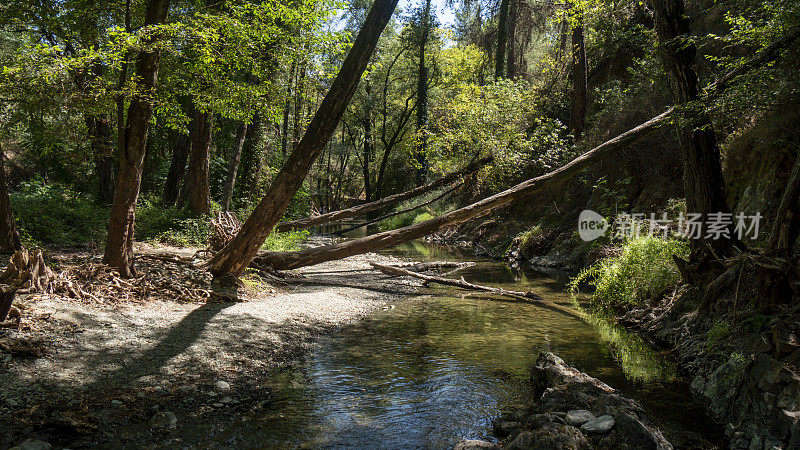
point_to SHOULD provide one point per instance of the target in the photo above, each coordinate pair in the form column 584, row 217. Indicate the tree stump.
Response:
column 27, row 272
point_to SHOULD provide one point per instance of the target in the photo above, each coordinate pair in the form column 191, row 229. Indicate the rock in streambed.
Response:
column 597, row 416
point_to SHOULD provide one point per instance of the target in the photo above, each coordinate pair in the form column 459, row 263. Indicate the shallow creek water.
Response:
column 439, row 366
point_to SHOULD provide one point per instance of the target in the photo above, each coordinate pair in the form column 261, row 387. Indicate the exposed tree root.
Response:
column 223, row 228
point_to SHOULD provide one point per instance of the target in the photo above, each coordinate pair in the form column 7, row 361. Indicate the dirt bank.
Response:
column 121, row 372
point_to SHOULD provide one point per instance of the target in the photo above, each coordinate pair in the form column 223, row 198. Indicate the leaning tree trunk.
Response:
column 199, row 193
column 360, row 210
column 703, row 181
column 9, row 235
column 119, row 244
column 235, row 257
column 580, row 72
column 233, row 167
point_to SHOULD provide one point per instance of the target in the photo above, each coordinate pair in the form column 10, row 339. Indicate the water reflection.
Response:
column 441, row 365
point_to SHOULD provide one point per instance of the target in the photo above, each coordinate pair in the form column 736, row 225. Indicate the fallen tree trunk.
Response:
column 403, row 211
column 525, row 296
column 293, row 260
column 386, row 201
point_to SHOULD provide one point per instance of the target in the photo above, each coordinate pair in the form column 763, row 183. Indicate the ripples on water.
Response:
column 441, row 365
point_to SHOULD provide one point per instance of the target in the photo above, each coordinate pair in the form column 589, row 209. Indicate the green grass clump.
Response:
column 285, row 242
column 643, row 268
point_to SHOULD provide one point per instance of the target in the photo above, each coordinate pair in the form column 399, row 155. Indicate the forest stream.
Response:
column 437, row 367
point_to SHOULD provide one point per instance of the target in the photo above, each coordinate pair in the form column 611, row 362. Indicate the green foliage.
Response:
column 422, row 217
column 498, row 119
column 285, row 241
column 55, row 214
column 643, row 268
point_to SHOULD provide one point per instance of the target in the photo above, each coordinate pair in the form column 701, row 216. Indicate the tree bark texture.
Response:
column 235, row 257
column 177, row 168
column 199, row 194
column 502, row 39
column 580, row 70
column 703, row 181
column 233, row 166
column 119, row 244
column 9, row 235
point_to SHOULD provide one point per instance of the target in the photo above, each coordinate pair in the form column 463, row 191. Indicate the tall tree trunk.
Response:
column 580, row 71
column 233, row 167
column 368, row 146
column 240, row 251
column 422, row 96
column 286, row 108
column 177, row 168
column 502, row 39
column 299, row 92
column 9, row 235
column 103, row 155
column 119, row 244
column 703, row 181
column 199, row 195
column 253, row 157
column 511, row 60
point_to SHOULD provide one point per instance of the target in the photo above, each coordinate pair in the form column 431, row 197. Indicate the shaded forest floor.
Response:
column 121, row 371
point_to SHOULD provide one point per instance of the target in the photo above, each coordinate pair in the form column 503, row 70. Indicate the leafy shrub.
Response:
column 643, row 268
column 55, row 214
column 422, row 217
column 172, row 226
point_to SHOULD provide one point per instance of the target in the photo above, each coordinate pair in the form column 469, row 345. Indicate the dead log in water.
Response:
column 461, row 283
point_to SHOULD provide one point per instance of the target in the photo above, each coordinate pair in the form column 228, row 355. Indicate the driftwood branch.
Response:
column 452, row 188
column 386, row 201
column 461, row 283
